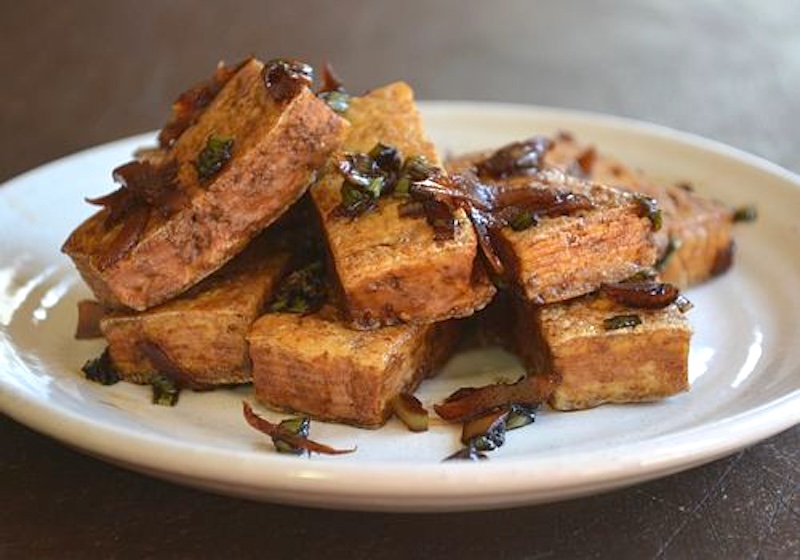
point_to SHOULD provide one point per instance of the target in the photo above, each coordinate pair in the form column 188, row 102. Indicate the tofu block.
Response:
column 696, row 242
column 390, row 269
column 203, row 332
column 315, row 365
column 278, row 144
column 565, row 256
column 631, row 364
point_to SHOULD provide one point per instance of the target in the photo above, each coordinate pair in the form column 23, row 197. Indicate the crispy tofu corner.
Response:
column 387, row 266
column 314, row 364
column 203, row 332
column 645, row 362
column 276, row 148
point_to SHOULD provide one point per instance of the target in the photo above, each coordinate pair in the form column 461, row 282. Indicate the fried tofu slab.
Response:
column 643, row 362
column 391, row 269
column 568, row 256
column 189, row 207
column 559, row 257
column 316, row 365
column 200, row 337
column 696, row 242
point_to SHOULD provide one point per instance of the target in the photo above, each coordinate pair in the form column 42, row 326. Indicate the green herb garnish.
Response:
column 303, row 291
column 621, row 322
column 520, row 415
column 214, row 156
column 386, row 158
column 165, row 390
column 492, row 439
column 415, row 168
column 745, row 214
column 523, row 220
column 101, row 370
column 298, row 426
column 648, row 207
column 285, row 433
column 488, row 432
column 337, row 100
column 382, row 171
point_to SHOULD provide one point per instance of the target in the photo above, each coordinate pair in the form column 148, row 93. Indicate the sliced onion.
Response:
column 125, row 239
column 411, row 412
column 192, row 102
column 281, row 433
column 486, row 431
column 517, row 158
column 165, row 365
column 90, row 312
column 470, row 402
column 643, row 295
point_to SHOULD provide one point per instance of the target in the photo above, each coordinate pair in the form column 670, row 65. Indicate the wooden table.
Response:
column 81, row 73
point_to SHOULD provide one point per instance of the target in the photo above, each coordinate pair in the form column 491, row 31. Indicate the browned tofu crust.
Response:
column 696, row 242
column 316, row 365
column 390, row 269
column 641, row 363
column 203, row 332
column 277, row 148
column 562, row 257
column 568, row 256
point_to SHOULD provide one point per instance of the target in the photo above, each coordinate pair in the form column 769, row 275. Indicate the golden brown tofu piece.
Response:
column 696, row 242
column 278, row 144
column 202, row 333
column 391, row 269
column 564, row 256
column 629, row 364
column 315, row 365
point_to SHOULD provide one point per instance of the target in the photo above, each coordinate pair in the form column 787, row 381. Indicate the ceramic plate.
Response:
column 744, row 365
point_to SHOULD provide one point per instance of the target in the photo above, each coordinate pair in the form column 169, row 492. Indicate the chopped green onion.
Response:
column 302, row 291
column 298, row 426
column 523, row 220
column 403, row 187
column 417, row 168
column 375, row 187
column 214, row 156
column 745, row 214
column 621, row 322
column 649, row 207
column 520, row 415
column 165, row 390
column 337, row 100
column 101, row 370
column 485, row 433
column 387, row 158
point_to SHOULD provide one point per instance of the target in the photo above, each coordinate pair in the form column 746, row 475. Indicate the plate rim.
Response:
column 320, row 488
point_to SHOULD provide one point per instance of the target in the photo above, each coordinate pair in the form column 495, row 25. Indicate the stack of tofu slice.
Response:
column 182, row 255
column 398, row 288
column 558, row 317
column 187, row 255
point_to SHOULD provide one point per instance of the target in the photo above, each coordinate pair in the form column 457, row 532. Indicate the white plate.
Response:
column 746, row 378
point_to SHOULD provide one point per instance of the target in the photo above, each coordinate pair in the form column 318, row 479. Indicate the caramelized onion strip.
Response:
column 470, row 402
column 280, row 433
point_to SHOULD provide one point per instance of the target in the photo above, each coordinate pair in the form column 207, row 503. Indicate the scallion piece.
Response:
column 621, row 322
column 165, row 390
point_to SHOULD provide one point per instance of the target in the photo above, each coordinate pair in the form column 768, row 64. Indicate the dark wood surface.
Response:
column 77, row 74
